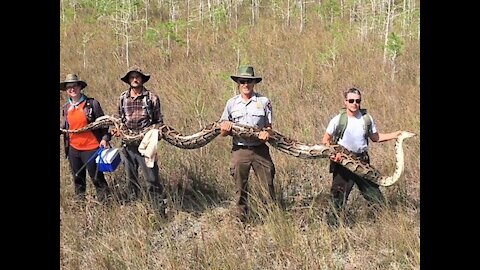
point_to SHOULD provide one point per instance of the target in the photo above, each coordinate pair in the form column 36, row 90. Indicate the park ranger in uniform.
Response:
column 252, row 109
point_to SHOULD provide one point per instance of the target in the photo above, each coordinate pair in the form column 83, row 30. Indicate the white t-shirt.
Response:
column 354, row 136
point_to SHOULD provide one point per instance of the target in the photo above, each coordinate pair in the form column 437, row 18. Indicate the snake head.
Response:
column 406, row 134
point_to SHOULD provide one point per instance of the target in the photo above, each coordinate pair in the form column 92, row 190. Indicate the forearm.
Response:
column 326, row 138
column 382, row 137
column 224, row 133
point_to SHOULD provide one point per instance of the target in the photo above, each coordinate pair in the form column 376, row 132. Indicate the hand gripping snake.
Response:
column 277, row 140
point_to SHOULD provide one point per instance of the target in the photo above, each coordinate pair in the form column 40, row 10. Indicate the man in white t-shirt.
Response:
column 355, row 139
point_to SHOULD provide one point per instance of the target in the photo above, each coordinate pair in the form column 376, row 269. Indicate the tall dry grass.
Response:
column 304, row 74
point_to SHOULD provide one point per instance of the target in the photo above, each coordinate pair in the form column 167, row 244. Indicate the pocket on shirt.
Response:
column 128, row 111
column 144, row 112
column 258, row 115
column 237, row 115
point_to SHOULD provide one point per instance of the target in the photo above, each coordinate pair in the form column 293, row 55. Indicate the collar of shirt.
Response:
column 240, row 99
column 82, row 98
column 144, row 92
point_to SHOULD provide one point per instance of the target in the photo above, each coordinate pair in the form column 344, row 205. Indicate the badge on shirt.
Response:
column 259, row 105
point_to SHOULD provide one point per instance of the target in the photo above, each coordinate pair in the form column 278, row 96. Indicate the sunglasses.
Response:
column 71, row 86
column 247, row 81
column 354, row 100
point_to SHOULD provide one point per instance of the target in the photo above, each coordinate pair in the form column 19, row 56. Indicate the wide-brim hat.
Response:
column 72, row 78
column 246, row 72
column 145, row 76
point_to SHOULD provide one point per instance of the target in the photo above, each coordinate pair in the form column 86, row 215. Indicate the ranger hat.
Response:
column 246, row 72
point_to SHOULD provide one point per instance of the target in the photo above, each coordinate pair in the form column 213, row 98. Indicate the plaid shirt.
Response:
column 136, row 115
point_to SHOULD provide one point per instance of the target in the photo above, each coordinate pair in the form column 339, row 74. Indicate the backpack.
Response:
column 342, row 125
column 89, row 108
column 147, row 105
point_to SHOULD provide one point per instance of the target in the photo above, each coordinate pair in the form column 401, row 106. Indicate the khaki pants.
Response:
column 243, row 159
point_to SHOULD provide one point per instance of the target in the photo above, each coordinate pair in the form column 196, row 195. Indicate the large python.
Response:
column 277, row 140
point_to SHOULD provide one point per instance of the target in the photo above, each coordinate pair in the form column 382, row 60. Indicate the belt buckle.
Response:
column 249, row 147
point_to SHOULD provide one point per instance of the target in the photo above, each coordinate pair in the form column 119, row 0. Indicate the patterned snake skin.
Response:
column 277, row 140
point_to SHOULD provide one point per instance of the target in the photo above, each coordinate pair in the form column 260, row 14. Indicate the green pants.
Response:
column 243, row 158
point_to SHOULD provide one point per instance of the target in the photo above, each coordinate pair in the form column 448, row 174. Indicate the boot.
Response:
column 103, row 194
column 159, row 203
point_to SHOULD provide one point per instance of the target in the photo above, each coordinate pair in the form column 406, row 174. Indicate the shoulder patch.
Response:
column 269, row 105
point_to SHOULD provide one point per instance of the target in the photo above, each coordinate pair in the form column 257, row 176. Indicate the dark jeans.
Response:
column 77, row 159
column 242, row 159
column 133, row 161
column 342, row 185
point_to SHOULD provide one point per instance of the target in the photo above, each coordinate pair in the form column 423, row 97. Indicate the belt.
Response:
column 250, row 147
column 359, row 154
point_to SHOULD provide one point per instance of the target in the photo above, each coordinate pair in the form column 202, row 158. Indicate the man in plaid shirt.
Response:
column 139, row 108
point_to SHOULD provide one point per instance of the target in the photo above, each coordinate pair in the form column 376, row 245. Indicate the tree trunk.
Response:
column 387, row 30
